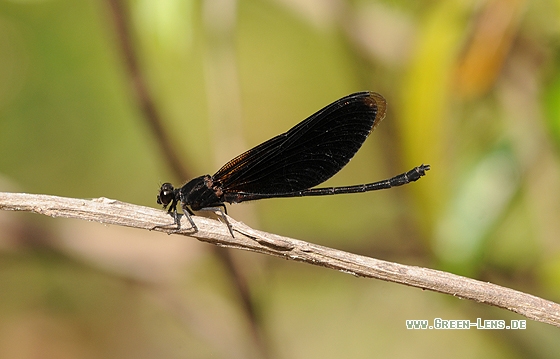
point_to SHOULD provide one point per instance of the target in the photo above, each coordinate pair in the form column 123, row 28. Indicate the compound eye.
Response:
column 166, row 194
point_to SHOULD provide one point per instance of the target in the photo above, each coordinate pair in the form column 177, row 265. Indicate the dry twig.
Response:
column 110, row 211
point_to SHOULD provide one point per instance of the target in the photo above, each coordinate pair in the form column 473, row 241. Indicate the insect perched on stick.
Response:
column 290, row 164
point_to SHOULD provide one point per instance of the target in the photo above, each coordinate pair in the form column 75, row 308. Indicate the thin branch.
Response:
column 147, row 105
column 110, row 211
column 139, row 87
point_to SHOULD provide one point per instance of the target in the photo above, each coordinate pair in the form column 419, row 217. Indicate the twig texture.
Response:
column 110, row 211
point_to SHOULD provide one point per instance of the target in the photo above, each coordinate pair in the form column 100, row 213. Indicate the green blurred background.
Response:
column 473, row 89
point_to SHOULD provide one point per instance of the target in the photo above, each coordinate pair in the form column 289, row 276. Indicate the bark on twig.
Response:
column 110, row 211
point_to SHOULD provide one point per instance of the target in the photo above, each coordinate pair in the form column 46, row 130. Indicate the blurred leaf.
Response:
column 476, row 205
column 552, row 108
column 490, row 41
column 425, row 99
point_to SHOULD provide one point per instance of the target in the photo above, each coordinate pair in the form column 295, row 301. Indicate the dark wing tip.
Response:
column 375, row 100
